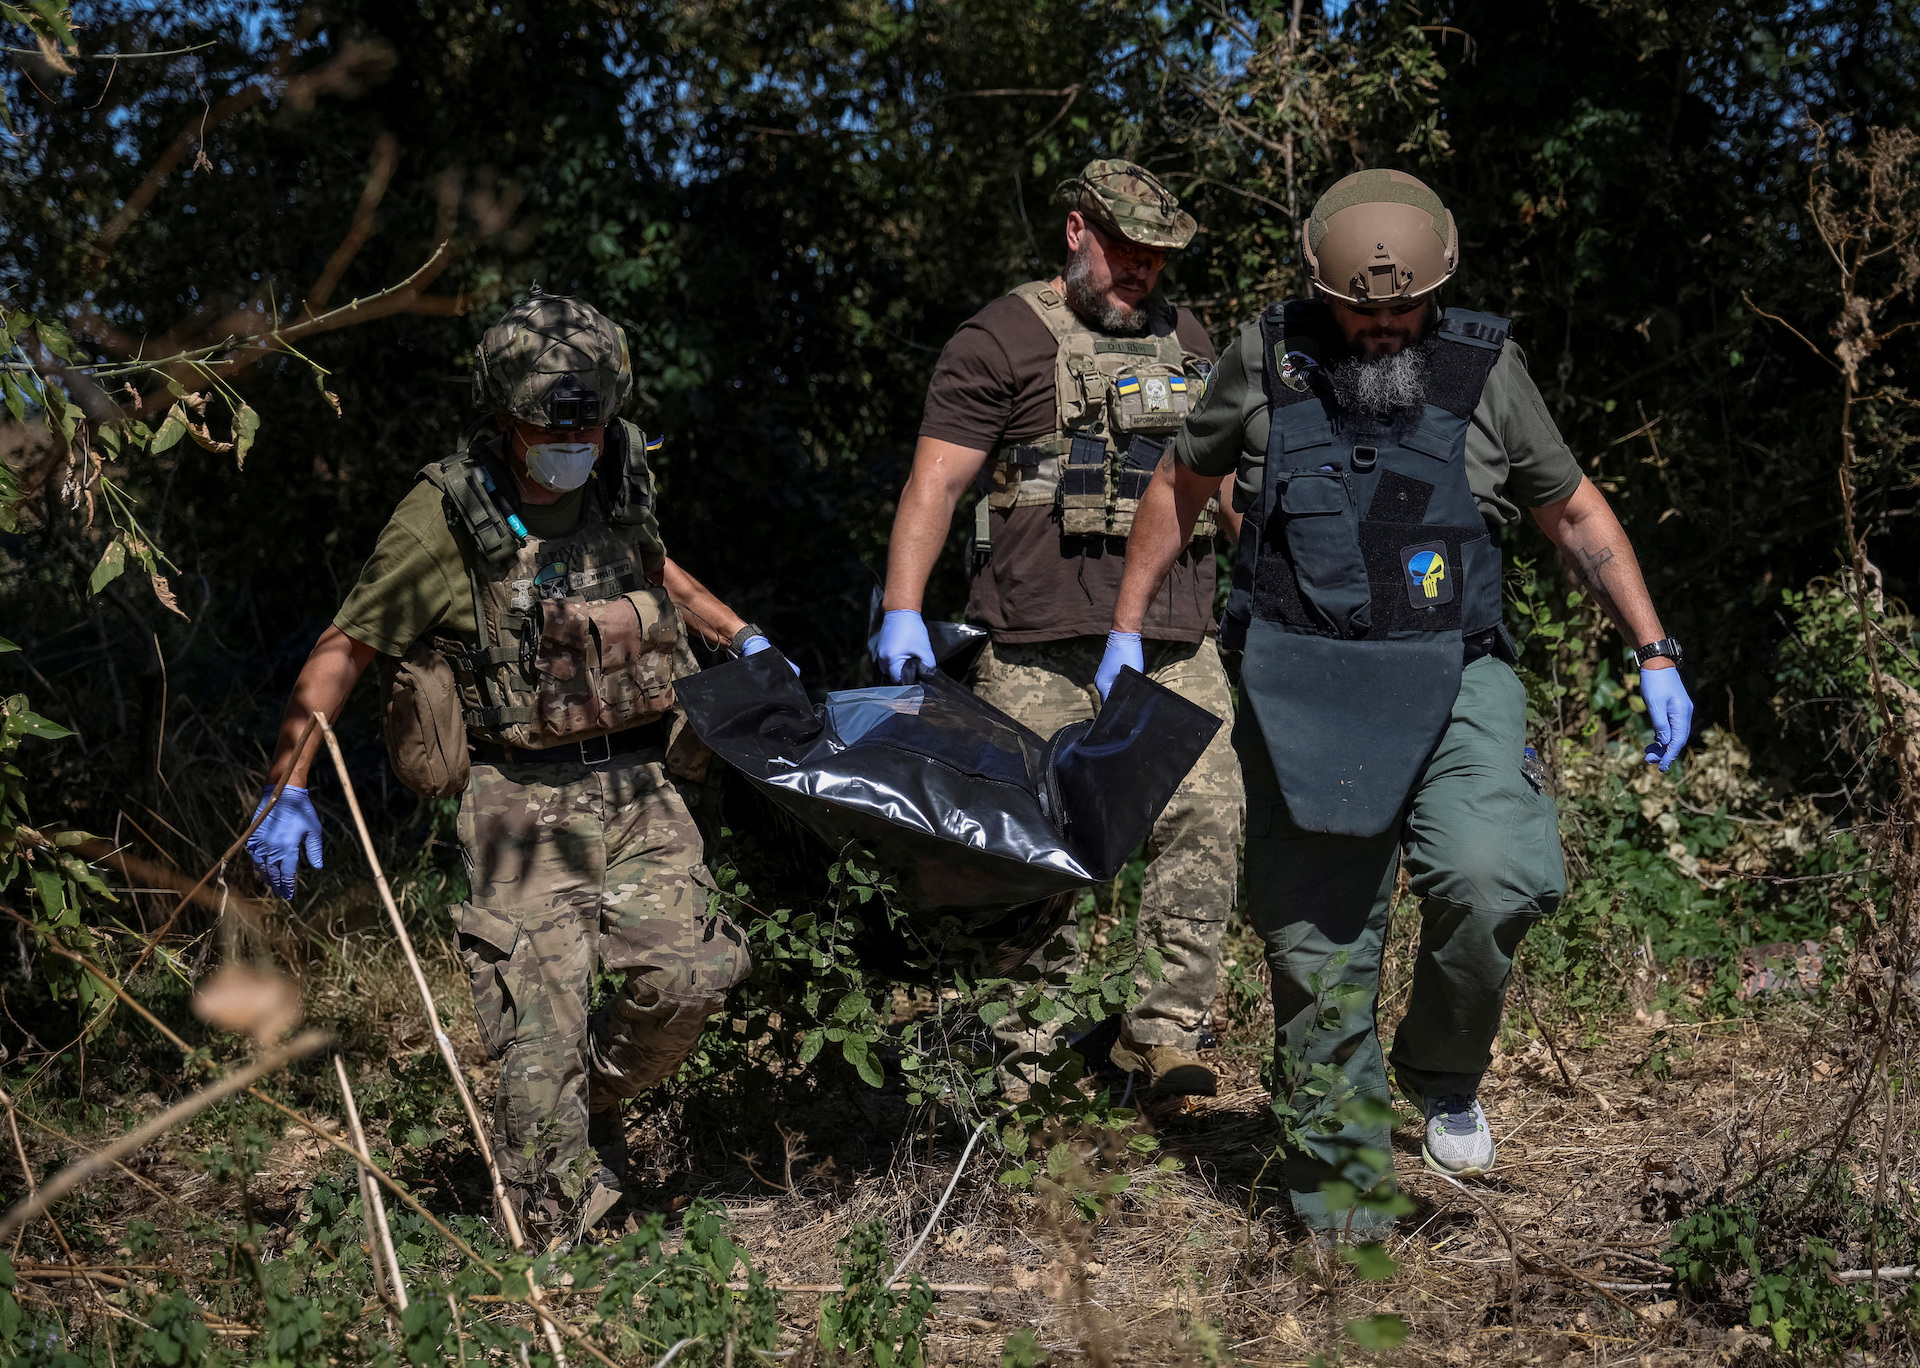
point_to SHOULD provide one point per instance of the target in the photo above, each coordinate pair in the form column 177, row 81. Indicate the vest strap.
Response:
column 490, row 719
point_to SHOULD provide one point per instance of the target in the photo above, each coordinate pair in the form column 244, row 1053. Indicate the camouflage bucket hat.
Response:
column 554, row 362
column 1129, row 200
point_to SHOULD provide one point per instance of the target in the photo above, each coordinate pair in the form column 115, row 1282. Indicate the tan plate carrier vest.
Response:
column 576, row 640
column 1117, row 403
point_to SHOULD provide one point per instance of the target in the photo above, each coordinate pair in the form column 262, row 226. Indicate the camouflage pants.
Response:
column 573, row 866
column 1192, row 855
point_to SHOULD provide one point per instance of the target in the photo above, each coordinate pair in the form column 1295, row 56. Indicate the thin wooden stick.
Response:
column 74, row 1174
column 380, row 1235
column 386, row 1180
column 153, row 941
column 508, row 1217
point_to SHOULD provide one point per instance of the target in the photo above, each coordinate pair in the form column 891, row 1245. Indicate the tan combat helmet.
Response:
column 1129, row 200
column 1379, row 236
column 554, row 362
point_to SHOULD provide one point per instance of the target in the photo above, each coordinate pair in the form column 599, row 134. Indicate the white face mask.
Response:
column 561, row 466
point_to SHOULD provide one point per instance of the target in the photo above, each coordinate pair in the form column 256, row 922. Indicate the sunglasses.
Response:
column 1126, row 250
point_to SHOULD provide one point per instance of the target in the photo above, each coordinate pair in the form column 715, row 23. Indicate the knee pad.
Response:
column 642, row 1037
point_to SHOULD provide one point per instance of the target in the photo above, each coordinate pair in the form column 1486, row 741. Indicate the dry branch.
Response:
column 379, row 1233
column 74, row 1174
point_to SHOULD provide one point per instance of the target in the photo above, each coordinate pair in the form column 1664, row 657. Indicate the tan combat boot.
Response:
column 1163, row 1070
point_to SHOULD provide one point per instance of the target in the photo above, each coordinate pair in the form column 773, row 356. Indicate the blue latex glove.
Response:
column 756, row 643
column 903, row 637
column 1670, row 711
column 291, row 830
column 1123, row 648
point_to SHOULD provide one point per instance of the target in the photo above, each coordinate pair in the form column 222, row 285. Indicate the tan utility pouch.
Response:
column 426, row 729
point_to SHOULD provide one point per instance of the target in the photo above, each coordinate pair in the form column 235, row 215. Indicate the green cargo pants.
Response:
column 1483, row 856
column 1187, row 892
column 573, row 867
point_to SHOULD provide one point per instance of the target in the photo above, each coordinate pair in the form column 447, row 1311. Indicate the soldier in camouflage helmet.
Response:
column 525, row 577
column 1060, row 398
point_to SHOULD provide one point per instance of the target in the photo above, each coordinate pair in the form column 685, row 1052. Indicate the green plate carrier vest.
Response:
column 576, row 640
column 1362, row 567
column 1117, row 403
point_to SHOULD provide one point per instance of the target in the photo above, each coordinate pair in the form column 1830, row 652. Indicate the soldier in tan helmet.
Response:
column 1057, row 401
column 524, row 602
column 1379, row 445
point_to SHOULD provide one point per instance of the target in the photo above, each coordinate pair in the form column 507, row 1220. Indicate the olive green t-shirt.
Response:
column 1515, row 457
column 415, row 581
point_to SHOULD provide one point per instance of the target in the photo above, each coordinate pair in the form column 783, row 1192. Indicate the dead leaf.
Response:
column 239, row 997
column 50, row 54
column 164, row 592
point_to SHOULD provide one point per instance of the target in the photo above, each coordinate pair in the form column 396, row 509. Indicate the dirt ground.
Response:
column 1210, row 1270
column 1597, row 1152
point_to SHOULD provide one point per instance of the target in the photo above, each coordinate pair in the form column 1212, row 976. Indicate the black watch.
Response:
column 1665, row 646
column 740, row 638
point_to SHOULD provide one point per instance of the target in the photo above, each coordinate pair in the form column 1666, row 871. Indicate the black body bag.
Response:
column 970, row 815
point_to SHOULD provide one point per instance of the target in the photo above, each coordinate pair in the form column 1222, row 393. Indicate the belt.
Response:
column 592, row 754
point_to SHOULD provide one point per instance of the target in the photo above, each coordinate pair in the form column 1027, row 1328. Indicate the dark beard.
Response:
column 1386, row 390
column 1102, row 311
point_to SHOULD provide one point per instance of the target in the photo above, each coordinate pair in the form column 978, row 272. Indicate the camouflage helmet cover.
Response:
column 555, row 362
column 1378, row 235
column 1128, row 199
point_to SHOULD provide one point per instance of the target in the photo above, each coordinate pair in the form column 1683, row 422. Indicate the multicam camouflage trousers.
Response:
column 1192, row 856
column 572, row 865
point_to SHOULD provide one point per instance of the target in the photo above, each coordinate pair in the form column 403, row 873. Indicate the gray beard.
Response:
column 1103, row 311
column 1382, row 389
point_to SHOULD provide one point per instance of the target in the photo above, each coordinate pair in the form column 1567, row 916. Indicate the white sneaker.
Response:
column 1458, row 1141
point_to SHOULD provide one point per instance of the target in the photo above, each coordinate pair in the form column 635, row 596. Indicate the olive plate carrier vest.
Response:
column 576, row 640
column 1366, row 574
column 1117, row 403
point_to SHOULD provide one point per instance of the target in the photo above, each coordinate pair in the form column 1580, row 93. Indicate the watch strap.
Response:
column 748, row 631
column 1665, row 646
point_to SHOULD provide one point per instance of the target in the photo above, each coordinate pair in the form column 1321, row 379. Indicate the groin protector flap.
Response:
column 1114, row 781
column 1349, row 724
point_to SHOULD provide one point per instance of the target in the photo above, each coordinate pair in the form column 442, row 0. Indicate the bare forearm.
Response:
column 326, row 680
column 1162, row 526
column 941, row 473
column 1592, row 542
column 1229, row 515
column 702, row 608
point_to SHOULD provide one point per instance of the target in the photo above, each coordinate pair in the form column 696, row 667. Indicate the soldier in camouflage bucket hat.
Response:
column 1130, row 200
column 528, row 565
column 1120, row 366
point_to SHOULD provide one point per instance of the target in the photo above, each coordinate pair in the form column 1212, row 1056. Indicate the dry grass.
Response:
column 1200, row 1267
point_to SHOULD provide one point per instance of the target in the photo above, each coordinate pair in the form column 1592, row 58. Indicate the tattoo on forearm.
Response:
column 1592, row 566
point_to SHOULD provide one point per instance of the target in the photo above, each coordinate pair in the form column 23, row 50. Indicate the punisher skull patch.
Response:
column 1429, row 579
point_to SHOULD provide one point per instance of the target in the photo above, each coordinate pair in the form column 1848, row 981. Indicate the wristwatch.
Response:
column 740, row 638
column 1665, row 646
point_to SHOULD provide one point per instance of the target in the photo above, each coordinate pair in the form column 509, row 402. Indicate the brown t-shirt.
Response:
column 993, row 386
